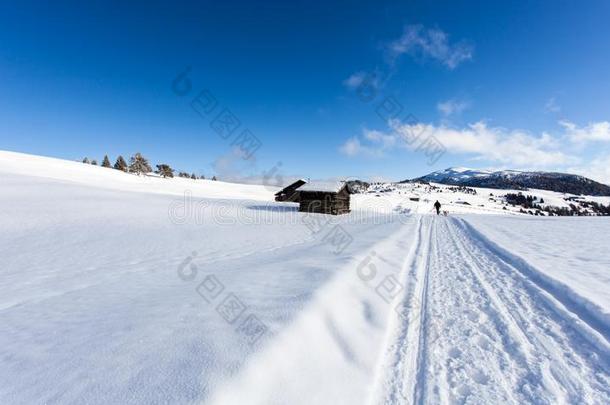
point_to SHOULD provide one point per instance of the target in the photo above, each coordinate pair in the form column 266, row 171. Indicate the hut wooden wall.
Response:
column 324, row 202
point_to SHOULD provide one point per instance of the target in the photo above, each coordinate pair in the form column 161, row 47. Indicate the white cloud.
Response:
column 452, row 107
column 478, row 140
column 356, row 79
column 386, row 141
column 419, row 42
column 597, row 169
column 497, row 144
column 592, row 132
column 431, row 43
column 232, row 166
column 353, row 147
column 551, row 106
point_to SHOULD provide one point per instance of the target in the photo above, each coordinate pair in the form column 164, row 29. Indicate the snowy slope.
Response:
column 566, row 253
column 118, row 289
column 93, row 307
column 100, row 177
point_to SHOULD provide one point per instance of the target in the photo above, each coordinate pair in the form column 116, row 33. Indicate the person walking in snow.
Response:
column 437, row 205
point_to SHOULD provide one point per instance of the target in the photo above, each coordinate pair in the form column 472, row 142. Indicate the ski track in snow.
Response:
column 478, row 331
column 467, row 328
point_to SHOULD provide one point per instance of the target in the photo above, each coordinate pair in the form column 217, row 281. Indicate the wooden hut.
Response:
column 290, row 192
column 324, row 198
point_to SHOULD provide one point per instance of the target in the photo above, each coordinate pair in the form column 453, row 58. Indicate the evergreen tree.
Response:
column 193, row 176
column 202, row 177
column 138, row 164
column 165, row 171
column 120, row 164
column 106, row 161
column 86, row 160
column 214, row 178
column 94, row 162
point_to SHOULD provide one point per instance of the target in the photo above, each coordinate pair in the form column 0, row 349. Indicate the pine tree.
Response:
column 120, row 164
column 193, row 176
column 165, row 171
column 214, row 178
column 106, row 161
column 94, row 162
column 86, row 160
column 202, row 177
column 138, row 164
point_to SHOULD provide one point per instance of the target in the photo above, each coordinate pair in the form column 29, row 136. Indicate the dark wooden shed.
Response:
column 324, row 198
column 290, row 192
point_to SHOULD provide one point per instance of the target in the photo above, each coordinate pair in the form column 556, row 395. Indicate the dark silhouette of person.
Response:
column 437, row 205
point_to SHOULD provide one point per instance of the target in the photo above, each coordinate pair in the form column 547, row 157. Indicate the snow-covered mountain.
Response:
column 517, row 180
column 454, row 175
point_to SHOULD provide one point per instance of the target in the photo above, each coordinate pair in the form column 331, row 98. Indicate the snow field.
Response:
column 329, row 353
column 116, row 288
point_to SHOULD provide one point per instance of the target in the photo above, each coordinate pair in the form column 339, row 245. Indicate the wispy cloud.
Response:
column 452, row 107
column 592, row 132
column 597, row 169
column 354, row 147
column 351, row 147
column 357, row 79
column 354, row 80
column 430, row 43
column 479, row 141
column 421, row 43
column 232, row 166
column 551, row 106
column 380, row 138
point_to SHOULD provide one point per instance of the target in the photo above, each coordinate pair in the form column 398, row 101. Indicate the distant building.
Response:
column 324, row 198
column 290, row 193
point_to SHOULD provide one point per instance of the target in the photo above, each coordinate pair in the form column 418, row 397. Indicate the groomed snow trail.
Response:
column 472, row 328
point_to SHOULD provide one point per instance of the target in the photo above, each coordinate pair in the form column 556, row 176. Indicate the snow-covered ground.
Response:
column 89, row 175
column 455, row 200
column 116, row 288
column 569, row 255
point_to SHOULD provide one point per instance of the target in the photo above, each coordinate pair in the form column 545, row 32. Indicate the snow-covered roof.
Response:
column 294, row 185
column 323, row 186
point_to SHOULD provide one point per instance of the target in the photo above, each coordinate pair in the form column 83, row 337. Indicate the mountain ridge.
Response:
column 518, row 180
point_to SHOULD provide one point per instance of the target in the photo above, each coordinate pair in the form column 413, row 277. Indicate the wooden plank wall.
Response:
column 324, row 202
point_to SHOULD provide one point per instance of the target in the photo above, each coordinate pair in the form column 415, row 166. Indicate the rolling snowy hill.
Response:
column 116, row 288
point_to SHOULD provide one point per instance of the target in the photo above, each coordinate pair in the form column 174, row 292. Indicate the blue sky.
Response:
column 520, row 85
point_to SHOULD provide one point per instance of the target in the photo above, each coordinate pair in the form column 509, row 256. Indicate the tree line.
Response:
column 139, row 165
